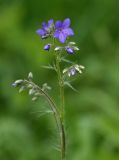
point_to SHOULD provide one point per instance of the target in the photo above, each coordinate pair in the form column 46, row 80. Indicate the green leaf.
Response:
column 66, row 60
column 70, row 86
column 52, row 67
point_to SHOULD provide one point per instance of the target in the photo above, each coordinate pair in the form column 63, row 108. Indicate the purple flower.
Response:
column 72, row 72
column 47, row 47
column 46, row 29
column 69, row 50
column 62, row 30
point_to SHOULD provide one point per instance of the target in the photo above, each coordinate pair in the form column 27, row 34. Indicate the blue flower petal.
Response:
column 62, row 37
column 50, row 22
column 58, row 24
column 44, row 24
column 41, row 32
column 66, row 23
column 56, row 34
column 68, row 32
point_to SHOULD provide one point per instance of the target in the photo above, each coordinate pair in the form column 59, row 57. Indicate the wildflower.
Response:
column 62, row 30
column 46, row 30
column 47, row 47
column 73, row 70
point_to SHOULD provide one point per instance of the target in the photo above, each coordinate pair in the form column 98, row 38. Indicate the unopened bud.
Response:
column 65, row 70
column 14, row 85
column 69, row 50
column 44, row 37
column 76, row 48
column 31, row 91
column 17, row 82
column 34, row 98
column 82, row 67
column 79, row 68
column 45, row 86
column 47, row 47
column 21, row 89
column 57, row 49
column 29, row 86
column 30, row 75
column 72, row 43
column 71, row 72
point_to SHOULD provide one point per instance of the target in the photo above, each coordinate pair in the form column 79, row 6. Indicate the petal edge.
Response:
column 66, row 23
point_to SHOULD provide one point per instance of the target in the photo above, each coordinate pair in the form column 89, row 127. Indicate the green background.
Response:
column 92, row 116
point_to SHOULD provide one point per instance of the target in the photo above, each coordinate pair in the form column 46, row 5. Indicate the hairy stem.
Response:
column 60, row 125
column 61, row 88
column 57, row 117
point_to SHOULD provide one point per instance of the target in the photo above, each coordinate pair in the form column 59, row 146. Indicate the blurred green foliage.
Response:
column 92, row 116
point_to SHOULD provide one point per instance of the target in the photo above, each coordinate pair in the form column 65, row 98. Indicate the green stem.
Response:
column 57, row 117
column 61, row 88
column 59, row 123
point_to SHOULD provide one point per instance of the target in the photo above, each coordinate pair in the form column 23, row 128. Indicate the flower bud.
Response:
column 71, row 72
column 14, row 85
column 69, row 50
column 30, row 75
column 57, row 49
column 65, row 70
column 72, row 43
column 29, row 86
column 46, row 87
column 47, row 47
column 31, row 91
column 21, row 89
column 34, row 98
column 44, row 37
column 76, row 48
column 79, row 68
column 17, row 82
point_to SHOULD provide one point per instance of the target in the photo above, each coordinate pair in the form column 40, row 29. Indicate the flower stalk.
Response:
column 57, row 31
column 61, row 89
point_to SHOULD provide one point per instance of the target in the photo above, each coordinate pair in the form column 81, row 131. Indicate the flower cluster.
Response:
column 46, row 30
column 60, row 31
column 27, row 84
column 73, row 70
